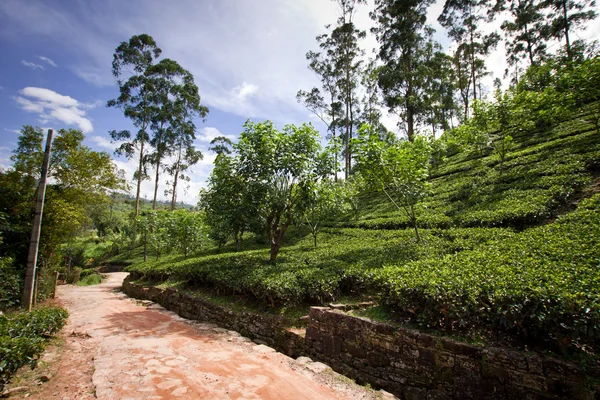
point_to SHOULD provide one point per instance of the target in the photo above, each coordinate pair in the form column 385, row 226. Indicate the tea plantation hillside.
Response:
column 514, row 253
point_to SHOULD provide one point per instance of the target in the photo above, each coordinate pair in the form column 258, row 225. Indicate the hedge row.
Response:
column 24, row 336
column 542, row 284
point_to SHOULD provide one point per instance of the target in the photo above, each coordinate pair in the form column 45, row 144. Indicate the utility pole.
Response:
column 34, row 243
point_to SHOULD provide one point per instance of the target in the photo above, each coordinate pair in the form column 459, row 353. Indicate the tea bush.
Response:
column 23, row 337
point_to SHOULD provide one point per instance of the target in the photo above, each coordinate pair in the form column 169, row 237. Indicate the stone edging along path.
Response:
column 407, row 363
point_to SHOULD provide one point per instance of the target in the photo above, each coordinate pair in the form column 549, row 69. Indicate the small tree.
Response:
column 274, row 164
column 187, row 231
column 399, row 170
column 321, row 201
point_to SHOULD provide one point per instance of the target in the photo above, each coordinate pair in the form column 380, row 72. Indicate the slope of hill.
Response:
column 493, row 254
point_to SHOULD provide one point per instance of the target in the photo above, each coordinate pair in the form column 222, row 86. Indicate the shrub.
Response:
column 89, row 280
column 10, row 284
column 24, row 336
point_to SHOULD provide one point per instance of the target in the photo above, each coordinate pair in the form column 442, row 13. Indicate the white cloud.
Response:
column 52, row 106
column 49, row 61
column 31, row 65
column 209, row 133
column 18, row 132
column 5, row 161
column 199, row 173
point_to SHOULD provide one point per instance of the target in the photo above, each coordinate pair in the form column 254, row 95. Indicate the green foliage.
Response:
column 168, row 231
column 399, row 170
column 23, row 337
column 541, row 284
column 90, row 279
column 10, row 284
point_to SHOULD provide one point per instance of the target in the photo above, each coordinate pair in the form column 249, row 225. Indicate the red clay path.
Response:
column 118, row 349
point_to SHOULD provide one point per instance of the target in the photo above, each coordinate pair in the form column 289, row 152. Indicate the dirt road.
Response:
column 118, row 349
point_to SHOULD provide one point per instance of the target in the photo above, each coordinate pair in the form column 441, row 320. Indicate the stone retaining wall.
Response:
column 410, row 364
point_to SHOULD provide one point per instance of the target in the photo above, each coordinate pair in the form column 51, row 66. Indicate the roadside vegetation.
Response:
column 478, row 216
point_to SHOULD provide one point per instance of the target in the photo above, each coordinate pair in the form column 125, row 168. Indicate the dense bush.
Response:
column 542, row 284
column 23, row 337
column 10, row 284
column 342, row 264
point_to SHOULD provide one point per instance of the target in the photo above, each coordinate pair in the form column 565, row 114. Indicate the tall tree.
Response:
column 371, row 100
column 407, row 52
column 566, row 16
column 166, row 76
column 131, row 62
column 439, row 102
column 525, row 34
column 463, row 19
column 347, row 60
column 187, row 107
column 324, row 103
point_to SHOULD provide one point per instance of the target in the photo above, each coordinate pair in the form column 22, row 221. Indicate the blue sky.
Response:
column 247, row 57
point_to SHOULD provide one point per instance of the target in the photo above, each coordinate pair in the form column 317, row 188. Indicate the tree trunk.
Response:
column 145, row 246
column 139, row 178
column 158, row 157
column 566, row 18
column 155, row 186
column 346, row 146
column 414, row 223
column 473, row 74
column 174, row 197
column 333, row 129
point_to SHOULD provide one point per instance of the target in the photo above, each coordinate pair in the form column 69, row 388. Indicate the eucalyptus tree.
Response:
column 130, row 65
column 166, row 76
column 463, row 20
column 371, row 99
column 186, row 108
column 438, row 96
column 407, row 53
column 525, row 33
column 567, row 16
column 324, row 103
column 338, row 66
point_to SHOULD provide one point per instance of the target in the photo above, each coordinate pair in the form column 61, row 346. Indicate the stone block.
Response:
column 509, row 358
column 414, row 393
column 461, row 349
column 378, row 359
column 559, row 369
column 313, row 334
column 316, row 313
column 332, row 345
column 383, row 329
column 436, row 394
column 568, row 389
column 354, row 349
column 427, row 357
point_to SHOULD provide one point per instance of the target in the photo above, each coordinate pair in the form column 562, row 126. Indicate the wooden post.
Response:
column 55, row 284
column 35, row 231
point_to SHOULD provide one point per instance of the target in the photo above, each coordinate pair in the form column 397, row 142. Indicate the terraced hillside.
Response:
column 515, row 251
